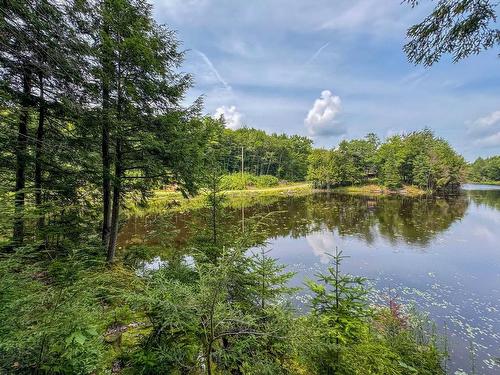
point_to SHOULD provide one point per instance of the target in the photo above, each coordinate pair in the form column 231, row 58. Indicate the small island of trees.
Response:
column 418, row 158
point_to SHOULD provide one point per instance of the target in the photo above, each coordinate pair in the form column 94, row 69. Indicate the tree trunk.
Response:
column 214, row 210
column 337, row 299
column 106, row 166
column 21, row 154
column 209, row 358
column 108, row 71
column 117, row 191
column 117, row 181
column 39, row 154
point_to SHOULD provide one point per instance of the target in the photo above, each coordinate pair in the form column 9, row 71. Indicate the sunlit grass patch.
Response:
column 379, row 190
column 174, row 201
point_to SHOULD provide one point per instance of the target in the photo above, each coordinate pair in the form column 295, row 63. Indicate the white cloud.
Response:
column 492, row 140
column 486, row 130
column 231, row 116
column 368, row 16
column 322, row 244
column 321, row 117
column 180, row 8
column 484, row 124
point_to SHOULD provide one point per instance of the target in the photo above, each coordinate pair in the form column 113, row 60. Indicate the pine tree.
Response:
column 340, row 305
column 271, row 282
column 40, row 67
column 141, row 94
column 390, row 174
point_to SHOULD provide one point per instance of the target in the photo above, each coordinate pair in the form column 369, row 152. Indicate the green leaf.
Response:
column 405, row 366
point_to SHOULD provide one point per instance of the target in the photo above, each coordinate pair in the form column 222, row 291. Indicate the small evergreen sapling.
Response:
column 340, row 305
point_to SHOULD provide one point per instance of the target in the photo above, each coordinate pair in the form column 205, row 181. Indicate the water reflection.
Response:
column 398, row 220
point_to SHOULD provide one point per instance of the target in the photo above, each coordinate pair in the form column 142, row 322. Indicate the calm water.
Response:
column 443, row 254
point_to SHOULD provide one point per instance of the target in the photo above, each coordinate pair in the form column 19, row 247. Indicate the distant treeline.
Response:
column 280, row 155
column 418, row 158
column 484, row 170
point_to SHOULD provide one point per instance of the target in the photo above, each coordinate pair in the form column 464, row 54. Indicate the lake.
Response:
column 440, row 253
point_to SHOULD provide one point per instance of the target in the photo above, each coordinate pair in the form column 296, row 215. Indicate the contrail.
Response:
column 317, row 53
column 214, row 71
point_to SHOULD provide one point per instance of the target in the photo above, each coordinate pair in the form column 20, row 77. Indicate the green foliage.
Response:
column 321, row 171
column 485, row 170
column 216, row 310
column 270, row 279
column 266, row 180
column 457, row 27
column 279, row 155
column 239, row 181
column 351, row 163
column 418, row 158
column 390, row 174
column 340, row 307
column 343, row 335
column 54, row 314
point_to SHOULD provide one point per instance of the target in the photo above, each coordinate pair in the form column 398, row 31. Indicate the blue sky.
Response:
column 331, row 70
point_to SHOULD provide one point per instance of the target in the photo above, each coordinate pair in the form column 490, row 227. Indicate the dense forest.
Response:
column 485, row 170
column 279, row 155
column 92, row 118
column 418, row 158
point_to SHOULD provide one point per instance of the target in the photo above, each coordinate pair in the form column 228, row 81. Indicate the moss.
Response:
column 133, row 335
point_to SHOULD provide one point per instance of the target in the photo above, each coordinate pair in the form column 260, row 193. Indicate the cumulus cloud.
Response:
column 486, row 130
column 231, row 116
column 321, row 119
column 321, row 244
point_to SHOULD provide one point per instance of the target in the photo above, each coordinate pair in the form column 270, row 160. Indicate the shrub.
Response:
column 266, row 181
column 238, row 181
column 54, row 315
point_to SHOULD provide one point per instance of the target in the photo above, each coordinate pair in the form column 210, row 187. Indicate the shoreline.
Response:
column 374, row 190
column 492, row 183
column 173, row 201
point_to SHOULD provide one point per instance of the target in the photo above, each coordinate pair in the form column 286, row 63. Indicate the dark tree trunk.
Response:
column 214, row 211
column 106, row 166
column 39, row 154
column 108, row 73
column 117, row 191
column 209, row 358
column 21, row 154
column 117, row 181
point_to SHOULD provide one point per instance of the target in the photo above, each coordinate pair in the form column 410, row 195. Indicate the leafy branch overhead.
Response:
column 457, row 27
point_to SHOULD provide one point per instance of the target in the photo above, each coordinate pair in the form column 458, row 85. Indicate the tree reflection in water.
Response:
column 416, row 221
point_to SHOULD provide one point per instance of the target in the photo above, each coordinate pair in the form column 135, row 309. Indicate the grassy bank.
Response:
column 378, row 190
column 174, row 201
